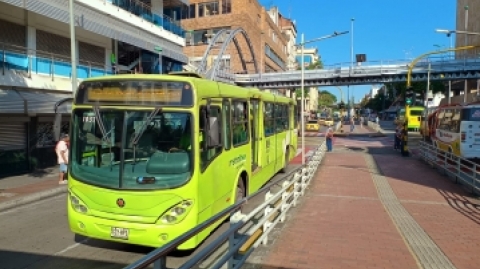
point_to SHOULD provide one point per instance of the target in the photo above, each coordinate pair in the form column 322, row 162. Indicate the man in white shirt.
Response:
column 62, row 157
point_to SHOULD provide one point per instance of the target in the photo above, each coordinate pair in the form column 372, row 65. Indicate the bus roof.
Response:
column 204, row 88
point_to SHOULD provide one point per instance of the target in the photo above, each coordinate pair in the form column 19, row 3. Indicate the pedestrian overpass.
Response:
column 441, row 68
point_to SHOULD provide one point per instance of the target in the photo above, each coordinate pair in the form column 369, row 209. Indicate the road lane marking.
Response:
column 71, row 247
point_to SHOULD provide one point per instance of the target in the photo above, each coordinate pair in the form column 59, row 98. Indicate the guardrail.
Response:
column 459, row 169
column 246, row 232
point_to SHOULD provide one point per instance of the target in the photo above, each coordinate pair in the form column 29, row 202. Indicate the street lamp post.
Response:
column 302, row 82
column 73, row 47
column 352, row 20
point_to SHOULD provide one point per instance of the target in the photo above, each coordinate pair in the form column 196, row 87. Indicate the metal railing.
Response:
column 246, row 232
column 457, row 168
column 145, row 12
column 446, row 64
column 46, row 63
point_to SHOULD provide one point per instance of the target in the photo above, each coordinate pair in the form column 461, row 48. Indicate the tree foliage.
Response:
column 325, row 99
column 398, row 89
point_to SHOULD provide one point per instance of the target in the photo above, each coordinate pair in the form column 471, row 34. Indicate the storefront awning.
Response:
column 31, row 102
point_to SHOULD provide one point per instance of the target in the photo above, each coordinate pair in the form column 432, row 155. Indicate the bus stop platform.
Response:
column 368, row 207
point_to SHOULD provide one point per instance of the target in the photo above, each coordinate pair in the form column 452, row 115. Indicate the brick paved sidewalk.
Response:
column 342, row 223
column 17, row 188
column 443, row 209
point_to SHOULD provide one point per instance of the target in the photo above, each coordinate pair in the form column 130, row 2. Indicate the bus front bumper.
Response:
column 143, row 234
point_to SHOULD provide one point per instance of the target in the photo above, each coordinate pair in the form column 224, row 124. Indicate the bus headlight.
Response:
column 78, row 204
column 177, row 213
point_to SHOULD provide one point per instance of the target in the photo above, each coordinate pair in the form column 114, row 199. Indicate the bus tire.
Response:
column 287, row 158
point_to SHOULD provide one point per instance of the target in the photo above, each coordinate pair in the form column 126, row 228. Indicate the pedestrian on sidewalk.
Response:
column 329, row 139
column 62, row 157
column 377, row 120
column 398, row 137
column 361, row 121
column 352, row 123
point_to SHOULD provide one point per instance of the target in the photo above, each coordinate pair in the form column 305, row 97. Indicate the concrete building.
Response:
column 205, row 18
column 112, row 36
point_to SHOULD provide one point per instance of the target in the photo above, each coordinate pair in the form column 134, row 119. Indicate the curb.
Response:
column 31, row 198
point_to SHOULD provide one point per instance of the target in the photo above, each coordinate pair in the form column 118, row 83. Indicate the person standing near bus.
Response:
column 62, row 157
column 329, row 139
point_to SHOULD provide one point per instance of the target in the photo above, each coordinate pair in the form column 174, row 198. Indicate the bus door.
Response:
column 254, row 120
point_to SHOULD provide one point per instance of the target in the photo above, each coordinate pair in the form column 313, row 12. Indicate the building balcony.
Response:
column 145, row 12
column 47, row 64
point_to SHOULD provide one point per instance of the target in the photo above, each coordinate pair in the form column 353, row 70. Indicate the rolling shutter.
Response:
column 12, row 136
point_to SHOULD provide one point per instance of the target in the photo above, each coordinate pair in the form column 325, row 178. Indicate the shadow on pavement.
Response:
column 25, row 260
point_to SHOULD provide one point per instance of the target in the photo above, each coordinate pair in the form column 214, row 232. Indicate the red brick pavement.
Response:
column 442, row 208
column 341, row 224
column 298, row 158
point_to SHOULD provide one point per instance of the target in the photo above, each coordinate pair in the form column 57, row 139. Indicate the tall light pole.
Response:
column 302, row 82
column 351, row 65
column 465, row 85
column 73, row 47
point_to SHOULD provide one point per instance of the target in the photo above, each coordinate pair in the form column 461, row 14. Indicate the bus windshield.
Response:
column 135, row 149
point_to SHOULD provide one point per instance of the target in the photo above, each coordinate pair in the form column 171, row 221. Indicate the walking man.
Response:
column 62, row 157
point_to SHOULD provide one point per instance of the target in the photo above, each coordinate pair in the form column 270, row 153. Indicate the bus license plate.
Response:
column 120, row 233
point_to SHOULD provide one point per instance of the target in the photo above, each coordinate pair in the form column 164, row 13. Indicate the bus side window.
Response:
column 206, row 156
column 240, row 122
column 226, row 121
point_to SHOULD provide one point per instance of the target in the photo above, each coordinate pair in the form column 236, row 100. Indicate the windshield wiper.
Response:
column 101, row 126
column 140, row 133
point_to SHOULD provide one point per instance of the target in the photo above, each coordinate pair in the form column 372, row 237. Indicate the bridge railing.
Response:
column 369, row 69
column 246, row 232
column 459, row 169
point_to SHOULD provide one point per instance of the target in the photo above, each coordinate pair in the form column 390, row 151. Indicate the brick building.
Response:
column 204, row 18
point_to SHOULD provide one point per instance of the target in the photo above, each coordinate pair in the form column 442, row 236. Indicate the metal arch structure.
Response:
column 212, row 73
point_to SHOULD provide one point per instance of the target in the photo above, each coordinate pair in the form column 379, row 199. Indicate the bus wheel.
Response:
column 287, row 157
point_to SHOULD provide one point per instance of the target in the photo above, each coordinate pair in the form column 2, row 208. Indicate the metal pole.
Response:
column 465, row 90
column 303, row 98
column 426, row 100
column 449, row 92
column 73, row 47
column 351, row 67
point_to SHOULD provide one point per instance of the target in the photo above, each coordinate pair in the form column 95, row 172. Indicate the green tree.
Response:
column 326, row 99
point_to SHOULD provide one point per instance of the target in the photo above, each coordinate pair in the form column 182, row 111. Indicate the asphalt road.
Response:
column 37, row 236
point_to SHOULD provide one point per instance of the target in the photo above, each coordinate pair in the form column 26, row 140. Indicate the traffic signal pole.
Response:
column 410, row 94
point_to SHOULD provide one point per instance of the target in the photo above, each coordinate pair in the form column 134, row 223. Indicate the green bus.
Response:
column 152, row 156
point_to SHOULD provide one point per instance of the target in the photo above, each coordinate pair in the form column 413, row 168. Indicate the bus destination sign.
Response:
column 116, row 94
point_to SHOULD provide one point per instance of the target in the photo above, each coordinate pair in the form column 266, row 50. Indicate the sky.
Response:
column 388, row 30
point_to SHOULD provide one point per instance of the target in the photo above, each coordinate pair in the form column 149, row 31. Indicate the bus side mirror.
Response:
column 57, row 126
column 213, row 133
